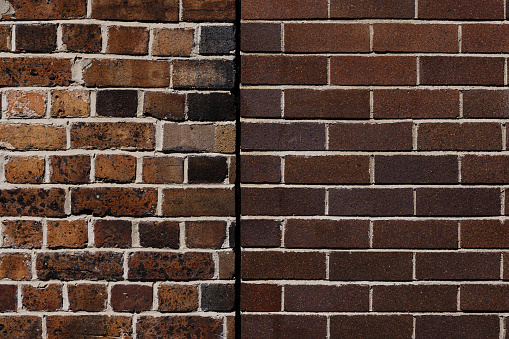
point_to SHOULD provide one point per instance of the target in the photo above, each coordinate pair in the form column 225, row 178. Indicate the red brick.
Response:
column 484, row 169
column 485, row 103
column 284, row 9
column 256, row 326
column 260, row 37
column 320, row 298
column 203, row 74
column 36, row 38
column 63, row 327
column 371, row 201
column 131, row 298
column 21, row 327
column 385, row 266
column 373, row 70
column 15, row 266
column 415, row 104
column 115, row 168
column 26, row 104
column 33, row 202
column 192, row 327
column 153, row 266
column 205, row 234
column 73, row 169
column 8, row 299
column 82, row 38
column 159, row 170
column 87, row 297
column 5, row 38
column 284, row 70
column 457, row 266
column 457, row 201
column 178, row 298
column 468, row 327
column 415, row 298
column 22, row 234
column 164, row 234
column 260, row 233
column 429, row 234
column 461, row 10
column 57, row 9
column 425, row 38
column 133, row 10
column 260, row 169
column 68, row 104
column 449, row 70
column 326, row 104
column 198, row 202
column 260, row 103
column 484, row 234
column 35, row 72
column 371, row 326
column 484, row 298
column 469, row 136
column 372, row 9
column 163, row 105
column 113, row 233
column 127, row 40
column 326, row 37
column 208, row 10
column 484, row 38
column 42, row 298
column 323, row 233
column 173, row 42
column 271, row 265
column 24, row 170
column 260, row 298
column 68, row 234
column 104, row 135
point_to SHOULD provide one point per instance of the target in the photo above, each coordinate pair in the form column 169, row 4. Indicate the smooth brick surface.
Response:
column 485, row 104
column 299, row 298
column 284, row 9
column 370, row 9
column 457, row 326
column 180, row 326
column 459, row 137
column 283, row 201
column 284, row 326
column 371, row 201
column 484, row 234
column 483, row 38
column 285, row 137
column 415, row 298
column 461, row 10
column 457, row 266
column 371, row 326
column 158, row 10
column 487, row 298
column 457, row 201
column 438, row 70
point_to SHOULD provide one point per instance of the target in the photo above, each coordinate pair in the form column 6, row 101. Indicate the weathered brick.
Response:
column 8, row 299
column 211, row 106
column 115, row 103
column 22, row 234
column 163, row 170
column 371, row 326
column 68, row 104
column 178, row 298
column 113, row 233
column 218, row 297
column 208, row 10
column 192, row 327
column 163, row 105
column 225, row 139
column 319, row 298
column 115, row 168
column 478, row 169
column 203, row 74
column 469, row 136
column 133, row 10
column 70, row 169
column 485, row 104
column 24, row 170
column 260, row 233
column 189, row 138
column 484, row 298
column 467, row 326
column 127, row 40
column 82, row 38
column 67, row 234
column 173, row 42
column 484, row 234
column 5, row 38
column 283, row 326
column 164, row 234
column 457, row 266
column 15, row 266
column 131, row 298
column 260, row 169
column 198, row 202
column 260, row 37
column 62, row 327
column 371, row 201
column 457, row 201
column 205, row 234
column 284, row 9
column 35, row 72
column 57, row 9
column 450, row 70
column 104, row 135
column 461, row 10
column 36, row 38
column 21, row 327
column 32, row 202
column 42, row 298
column 87, row 297
column 207, row 169
column 415, row 298
column 227, row 265
column 217, row 40
column 26, row 104
column 398, row 9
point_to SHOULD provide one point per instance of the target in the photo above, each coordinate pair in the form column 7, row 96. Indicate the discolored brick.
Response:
column 211, row 107
column 131, row 298
column 35, row 72
column 36, row 38
column 164, row 234
column 461, row 10
column 26, row 104
column 32, row 202
column 283, row 326
column 61, row 327
column 115, row 168
column 189, row 138
column 127, row 40
column 15, row 266
column 21, row 327
column 161, row 170
column 166, row 106
column 415, row 298
column 104, row 135
column 69, row 104
column 449, row 70
column 8, row 299
column 260, row 37
column 457, row 201
column 22, row 234
column 457, row 266
column 260, row 233
column 260, row 169
column 82, row 38
column 208, row 10
column 28, row 137
column 42, row 298
column 284, row 9
column 112, row 233
column 67, row 234
column 115, row 103
column 320, row 298
column 469, row 136
column 467, row 326
column 205, row 234
column 198, row 202
column 87, row 297
column 173, row 42
column 226, row 139
column 217, row 40
column 218, row 297
column 133, row 10
column 5, row 38
column 70, row 169
column 193, row 327
column 484, row 234
column 56, row 9
column 24, row 170
column 207, row 169
column 371, row 326
column 203, row 74
column 371, row 201
column 178, row 298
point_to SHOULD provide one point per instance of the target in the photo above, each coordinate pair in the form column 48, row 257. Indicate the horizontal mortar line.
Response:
column 371, row 121
column 130, row 250
column 81, row 87
column 375, row 54
column 387, row 313
column 375, row 87
column 377, row 250
column 88, row 56
column 134, row 153
column 374, row 283
column 118, row 282
column 175, row 24
column 375, row 153
column 114, row 185
column 374, row 218
column 211, row 314
column 376, row 20
column 129, row 218
column 356, row 185
column 146, row 120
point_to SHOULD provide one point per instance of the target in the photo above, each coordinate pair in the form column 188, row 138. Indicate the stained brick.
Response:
column 67, row 234
column 133, row 10
column 117, row 103
column 87, row 297
column 217, row 40
column 166, row 106
column 205, row 234
column 70, row 169
column 5, row 38
column 15, row 266
column 58, row 9
column 198, row 202
column 115, row 168
column 164, row 234
column 203, row 74
column 178, row 298
column 22, row 234
column 112, row 233
column 32, row 202
column 68, row 104
column 218, row 297
column 160, row 170
column 36, row 38
column 35, row 72
column 42, row 298
column 21, row 327
column 82, row 38
column 104, row 135
column 173, row 42
column 26, row 104
column 24, row 170
column 127, row 40
column 8, row 299
column 61, row 327
column 148, row 327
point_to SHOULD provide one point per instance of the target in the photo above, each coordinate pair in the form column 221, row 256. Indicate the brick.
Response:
column 178, row 298
column 15, row 266
column 166, row 106
column 115, row 168
column 173, row 42
column 485, row 104
column 484, row 298
column 260, row 169
column 121, row 104
column 114, row 201
column 442, row 70
column 42, row 298
column 470, row 327
column 371, row 201
column 211, row 107
column 282, row 201
column 132, row 10
column 484, row 169
column 26, row 104
column 415, row 104
column 284, row 9
column 5, row 38
column 227, row 265
column 416, row 169
column 484, row 234
column 36, row 38
column 260, row 233
column 32, row 202
column 395, row 136
column 208, row 10
column 283, row 70
column 457, row 201
column 69, row 104
column 192, row 327
column 217, row 297
column 127, row 40
column 154, row 266
column 457, row 266
column 260, row 37
column 320, row 298
column 326, row 37
column 61, row 327
column 112, row 233
column 283, row 326
column 207, row 169
column 260, row 298
column 217, row 40
column 22, row 234
column 59, row 9
column 164, row 234
column 428, row 38
column 415, row 234
column 484, row 38
column 104, row 135
column 415, row 298
column 29, row 137
column 226, row 139
column 459, row 136
column 70, row 169
column 127, row 73
column 323, row 233
column 160, row 170
column 282, row 137
column 131, row 298
column 24, row 170
column 189, row 138
column 371, row 326
column 326, row 104
column 372, row 9
column 67, row 234
column 461, row 10
column 271, row 265
column 203, row 74
column 198, row 202
column 8, row 299
column 21, row 327
column 373, row 70
column 35, row 72
column 205, row 234
column 384, row 266
column 87, row 297
column 82, row 38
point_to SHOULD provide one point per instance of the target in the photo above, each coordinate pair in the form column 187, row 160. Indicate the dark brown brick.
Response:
column 22, row 234
column 115, row 168
column 457, row 266
column 35, row 72
column 260, row 37
column 319, row 298
column 164, row 234
column 189, row 138
column 127, row 40
column 260, row 298
column 207, row 170
column 63, row 327
column 371, row 201
column 282, row 265
column 227, row 265
column 87, row 297
column 218, row 297
column 173, row 42
column 192, row 327
column 73, row 169
column 82, row 38
column 415, row 104
column 283, row 326
column 373, row 70
column 205, row 234
column 69, row 104
column 484, row 38
column 260, row 169
column 131, row 298
column 15, row 266
column 448, row 70
column 371, row 326
column 484, row 234
column 457, row 327
column 104, row 135
column 416, row 169
column 32, row 202
column 113, row 233
column 80, row 266
column 163, row 105
column 21, row 327
column 469, row 136
column 67, row 233
column 372, row 9
column 457, row 201
column 282, row 201
column 211, row 107
column 24, row 170
column 484, row 298
column 385, row 266
column 326, row 104
column 461, row 10
column 57, row 9
column 117, row 103
column 203, row 74
column 284, row 9
column 485, row 104
column 5, row 38
column 260, row 103
column 198, row 202
column 157, row 10
column 284, row 70
column 42, row 298
column 415, row 298
column 8, row 299
column 163, row 170
column 260, row 233
column 432, row 234
column 36, row 38
column 208, row 10
column 478, row 169
column 178, row 298
column 153, row 266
